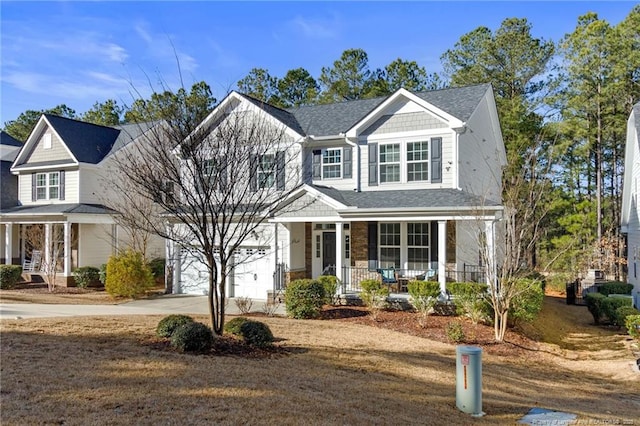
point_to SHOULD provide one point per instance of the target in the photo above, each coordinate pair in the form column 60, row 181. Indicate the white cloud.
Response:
column 316, row 28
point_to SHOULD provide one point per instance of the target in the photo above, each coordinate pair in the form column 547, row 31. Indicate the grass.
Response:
column 92, row 370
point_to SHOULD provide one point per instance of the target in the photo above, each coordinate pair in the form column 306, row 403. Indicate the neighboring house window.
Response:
column 417, row 161
column 46, row 141
column 47, row 186
column 266, row 171
column 389, row 163
column 332, row 163
column 213, row 173
column 389, row 245
column 418, row 245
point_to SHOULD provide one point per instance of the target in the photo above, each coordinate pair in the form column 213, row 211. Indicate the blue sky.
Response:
column 77, row 53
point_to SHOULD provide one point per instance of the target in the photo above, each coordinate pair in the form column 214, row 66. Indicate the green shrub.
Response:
column 602, row 307
column 128, row 275
column 10, row 275
column 454, row 331
column 424, row 297
column 157, row 266
column 469, row 299
column 233, row 326
column 256, row 333
column 594, row 303
column 86, row 275
column 304, row 298
column 103, row 273
column 330, row 284
column 558, row 281
column 168, row 324
column 621, row 314
column 632, row 322
column 615, row 287
column 374, row 295
column 192, row 337
column 527, row 303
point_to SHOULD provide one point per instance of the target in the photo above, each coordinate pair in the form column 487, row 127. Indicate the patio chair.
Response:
column 33, row 264
column 388, row 276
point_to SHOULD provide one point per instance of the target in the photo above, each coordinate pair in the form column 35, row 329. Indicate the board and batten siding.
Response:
column 57, row 152
column 70, row 189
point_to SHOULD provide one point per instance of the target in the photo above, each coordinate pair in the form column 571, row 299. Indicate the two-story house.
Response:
column 630, row 217
column 9, row 147
column 410, row 181
column 60, row 207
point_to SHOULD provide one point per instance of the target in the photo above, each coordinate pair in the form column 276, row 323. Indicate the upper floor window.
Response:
column 332, row 163
column 266, row 171
column 47, row 186
column 390, row 163
column 417, row 161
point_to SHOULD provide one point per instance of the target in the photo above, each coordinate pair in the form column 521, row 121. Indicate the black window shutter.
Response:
column 33, row 187
column 61, row 190
column 372, row 245
column 347, row 162
column 253, row 173
column 433, row 233
column 373, row 164
column 436, row 160
column 317, row 164
column 280, row 172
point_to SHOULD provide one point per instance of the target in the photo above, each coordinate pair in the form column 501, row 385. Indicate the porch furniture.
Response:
column 388, row 276
column 33, row 264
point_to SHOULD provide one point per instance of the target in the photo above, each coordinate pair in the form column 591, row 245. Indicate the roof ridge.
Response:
column 49, row 115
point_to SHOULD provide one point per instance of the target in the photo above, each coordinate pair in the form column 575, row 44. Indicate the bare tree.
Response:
column 214, row 184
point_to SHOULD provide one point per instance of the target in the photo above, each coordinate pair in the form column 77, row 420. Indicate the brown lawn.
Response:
column 112, row 370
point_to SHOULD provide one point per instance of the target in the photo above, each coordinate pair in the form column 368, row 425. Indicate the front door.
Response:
column 328, row 249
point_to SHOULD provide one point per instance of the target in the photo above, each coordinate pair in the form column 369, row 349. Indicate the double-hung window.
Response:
column 418, row 245
column 266, row 172
column 332, row 163
column 417, row 161
column 389, row 163
column 48, row 186
column 389, row 245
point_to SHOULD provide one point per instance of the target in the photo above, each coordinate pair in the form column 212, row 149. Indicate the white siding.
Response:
column 70, row 189
column 57, row 152
column 467, row 243
column 94, row 244
column 479, row 159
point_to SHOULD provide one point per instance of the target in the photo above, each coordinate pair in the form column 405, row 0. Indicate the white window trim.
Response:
column 402, row 148
column 404, row 243
column 404, row 169
column 272, row 172
column 340, row 164
column 46, row 141
column 428, row 160
column 47, row 186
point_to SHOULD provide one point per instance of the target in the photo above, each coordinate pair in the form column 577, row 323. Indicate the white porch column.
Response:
column 489, row 232
column 47, row 246
column 67, row 249
column 339, row 249
column 8, row 243
column 442, row 256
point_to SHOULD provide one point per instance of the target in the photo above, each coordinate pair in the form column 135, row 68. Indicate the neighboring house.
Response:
column 410, row 181
column 9, row 147
column 630, row 219
column 60, row 196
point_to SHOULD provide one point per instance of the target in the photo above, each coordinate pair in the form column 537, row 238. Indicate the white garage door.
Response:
column 252, row 277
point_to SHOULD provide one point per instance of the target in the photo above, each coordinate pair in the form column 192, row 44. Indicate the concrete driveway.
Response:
column 166, row 304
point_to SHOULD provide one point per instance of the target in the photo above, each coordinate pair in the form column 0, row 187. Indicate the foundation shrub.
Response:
column 455, row 332
column 632, row 322
column 330, row 284
column 168, row 324
column 157, row 266
column 86, row 275
column 304, row 298
column 374, row 295
column 128, row 275
column 621, row 314
column 527, row 303
column 10, row 275
column 470, row 301
column 615, row 287
column 192, row 337
column 103, row 274
column 424, row 297
column 602, row 307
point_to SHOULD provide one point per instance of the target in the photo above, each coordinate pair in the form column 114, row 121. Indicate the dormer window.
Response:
column 47, row 186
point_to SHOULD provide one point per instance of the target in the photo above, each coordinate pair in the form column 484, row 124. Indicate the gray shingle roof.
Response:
column 88, row 142
column 59, row 209
column 7, row 139
column 409, row 198
column 333, row 119
column 281, row 115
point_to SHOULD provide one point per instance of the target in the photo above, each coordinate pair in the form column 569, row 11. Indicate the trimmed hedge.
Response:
column 602, row 307
column 10, row 275
column 304, row 298
column 621, row 314
column 192, row 337
column 256, row 333
column 632, row 322
column 615, row 287
column 233, row 326
column 170, row 323
column 86, row 275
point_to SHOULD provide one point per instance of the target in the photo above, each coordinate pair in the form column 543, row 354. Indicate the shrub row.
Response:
column 254, row 333
column 185, row 334
column 86, row 275
column 613, row 309
column 10, row 275
column 615, row 287
column 632, row 322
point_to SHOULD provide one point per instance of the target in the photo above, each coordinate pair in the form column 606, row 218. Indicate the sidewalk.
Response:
column 165, row 304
